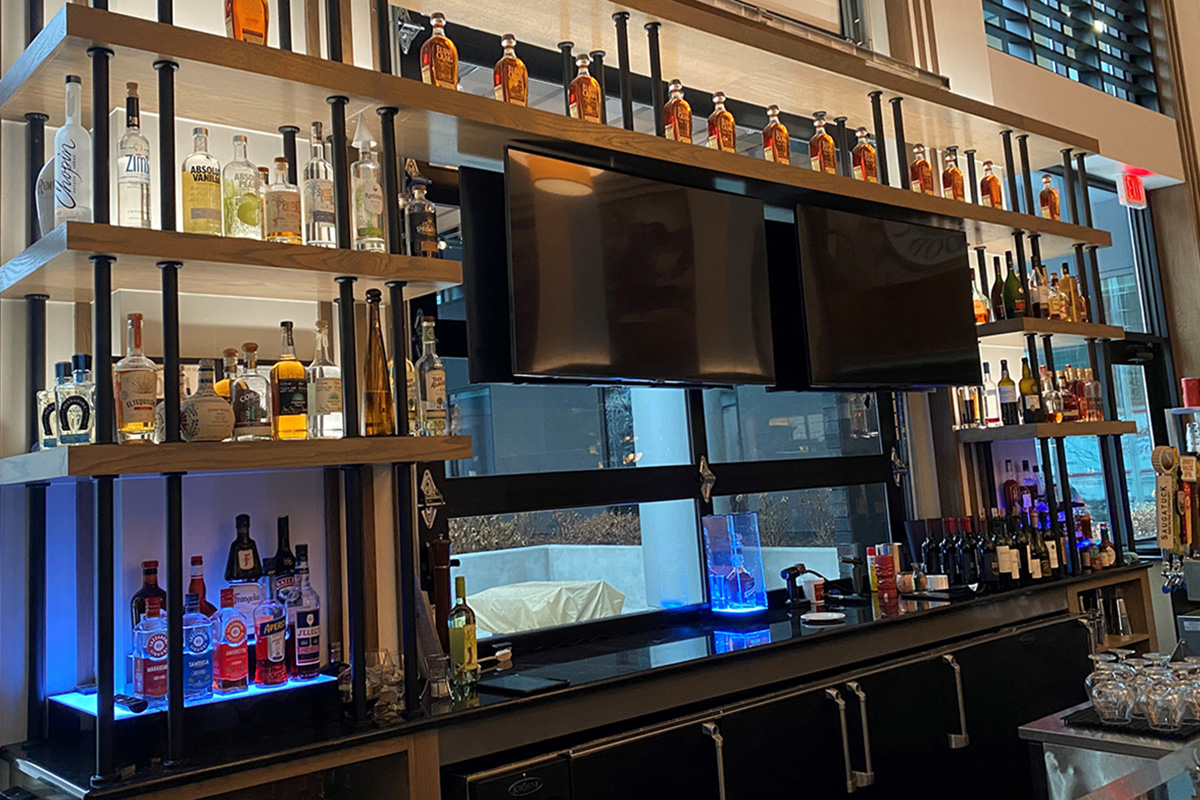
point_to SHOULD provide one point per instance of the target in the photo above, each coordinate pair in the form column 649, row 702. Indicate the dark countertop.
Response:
column 690, row 659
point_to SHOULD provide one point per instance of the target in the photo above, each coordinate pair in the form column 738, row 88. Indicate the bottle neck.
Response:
column 321, row 355
column 287, row 345
column 280, row 175
column 74, row 102
column 428, row 341
column 439, row 29
column 150, row 578
column 133, row 338
column 251, row 362
column 509, row 52
column 200, row 145
column 133, row 119
column 583, row 72
column 302, row 574
column 206, row 380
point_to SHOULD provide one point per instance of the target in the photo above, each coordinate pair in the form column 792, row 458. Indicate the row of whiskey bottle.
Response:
column 1056, row 298
column 1072, row 395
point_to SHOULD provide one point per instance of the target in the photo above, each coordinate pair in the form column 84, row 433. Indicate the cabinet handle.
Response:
column 719, row 742
column 836, row 697
column 957, row 741
column 867, row 777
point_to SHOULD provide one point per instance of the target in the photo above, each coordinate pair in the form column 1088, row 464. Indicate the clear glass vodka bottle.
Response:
column 239, row 182
column 73, row 161
column 201, row 188
column 367, row 195
column 319, row 227
column 249, row 396
column 133, row 167
column 324, row 390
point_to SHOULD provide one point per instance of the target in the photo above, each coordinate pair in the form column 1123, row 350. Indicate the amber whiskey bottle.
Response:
column 677, row 114
column 990, row 193
column 246, row 20
column 866, row 168
column 1049, row 199
column 920, row 174
column 583, row 95
column 439, row 56
column 822, row 154
column 721, row 132
column 952, row 177
column 776, row 146
column 509, row 76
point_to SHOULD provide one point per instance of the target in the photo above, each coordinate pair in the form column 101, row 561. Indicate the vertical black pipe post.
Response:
column 1081, row 273
column 383, row 32
column 100, row 137
column 341, row 179
column 333, row 30
column 391, row 184
column 656, row 80
column 881, row 157
column 285, row 23
column 100, row 4
column 102, row 346
column 621, row 19
column 597, row 70
column 166, row 11
column 1010, row 172
column 105, row 669
column 356, row 609
column 174, row 516
column 1027, row 176
column 1035, row 249
column 840, row 139
column 35, row 611
column 1069, row 186
column 166, row 141
column 1099, row 315
column 35, row 159
column 901, row 145
column 35, row 19
column 349, row 355
column 568, row 73
column 1081, row 173
column 1022, row 274
column 35, row 363
column 972, row 176
column 289, row 150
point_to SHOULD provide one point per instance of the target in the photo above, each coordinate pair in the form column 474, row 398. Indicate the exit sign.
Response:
column 1131, row 191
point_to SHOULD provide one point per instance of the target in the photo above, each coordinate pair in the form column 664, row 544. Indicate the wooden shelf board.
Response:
column 234, row 83
column 1045, row 430
column 84, row 461
column 1011, row 332
column 58, row 265
column 1122, row 642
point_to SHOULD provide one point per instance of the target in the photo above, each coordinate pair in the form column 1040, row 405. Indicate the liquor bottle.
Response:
column 201, row 188
column 284, row 572
column 510, row 78
column 439, row 56
column 677, row 114
column 1094, row 393
column 133, row 167
column 197, row 587
column 303, row 609
column 1070, row 293
column 150, row 655
column 319, row 222
column 246, row 20
column 243, row 563
column 583, row 94
column 1033, row 293
column 997, row 298
column 952, row 177
column 230, row 665
column 822, row 152
column 1031, row 396
column 431, row 384
column 1052, row 566
column 76, row 402
column 1046, row 571
column 420, row 217
column 414, row 418
column 931, row 553
column 991, row 398
column 1056, row 303
column 464, row 658
column 951, row 567
column 72, row 162
column 1070, row 403
column 1031, row 552
column 1014, row 292
column 863, row 158
column 1051, row 398
column 150, row 588
column 281, row 208
column 722, row 133
column 920, row 174
column 378, row 405
column 260, row 190
column 368, row 196
column 229, row 366
column 1010, row 407
column 1006, row 555
column 990, row 193
column 1010, row 489
column 135, row 384
column 205, row 416
column 324, row 390
column 776, row 146
column 989, row 559
column 980, row 300
column 1107, row 551
column 270, row 649
column 240, row 195
column 47, row 408
column 248, row 395
column 1049, row 199
column 197, row 651
column 967, row 398
column 289, row 391
column 44, row 188
column 968, row 553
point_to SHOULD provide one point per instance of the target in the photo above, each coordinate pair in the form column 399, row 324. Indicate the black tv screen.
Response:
column 619, row 278
column 886, row 303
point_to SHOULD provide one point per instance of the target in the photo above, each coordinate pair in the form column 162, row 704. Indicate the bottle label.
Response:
column 325, row 396
column 1045, row 211
column 1008, row 394
column 985, row 200
column 230, row 660
column 282, row 214
column 440, row 67
column 369, row 208
column 206, row 418
column 992, row 567
column 247, row 595
column 245, row 560
column 306, row 637
column 1052, row 550
column 202, row 200
column 68, row 180
column 74, row 420
column 197, row 666
column 1035, row 563
column 679, row 126
column 48, row 423
column 319, row 193
column 462, row 648
column 435, row 394
column 135, row 169
column 422, row 233
column 272, row 632
column 293, row 396
column 137, row 391
column 511, row 85
column 249, row 414
column 149, row 677
column 282, row 586
column 1032, row 402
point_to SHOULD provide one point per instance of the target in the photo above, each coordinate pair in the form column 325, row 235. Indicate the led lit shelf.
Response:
column 58, row 265
column 1045, row 430
column 1012, row 332
column 251, row 87
column 85, row 461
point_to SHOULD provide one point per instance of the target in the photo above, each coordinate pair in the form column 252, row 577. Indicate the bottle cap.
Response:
column 422, row 182
column 870, row 552
column 772, row 110
column 74, row 79
column 362, row 135
column 301, row 552
column 153, row 604
column 243, row 520
column 374, row 295
column 62, row 369
column 250, row 347
column 227, row 597
column 149, row 565
column 197, row 561
column 460, row 586
column 81, row 362
column 508, row 40
column 719, row 97
column 203, row 132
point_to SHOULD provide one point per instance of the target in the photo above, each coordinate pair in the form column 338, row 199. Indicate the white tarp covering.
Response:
column 541, row 604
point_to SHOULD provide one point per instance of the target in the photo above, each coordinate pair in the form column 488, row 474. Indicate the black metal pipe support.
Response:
column 105, row 668
column 1069, row 186
column 1026, row 175
column 102, row 347
column 356, row 606
column 35, row 611
column 391, row 179
column 1010, row 172
column 1085, row 199
column 166, row 141
column 621, row 19
column 35, row 19
column 901, row 145
column 333, row 30
column 35, row 159
column 568, row 73
column 840, row 139
column 597, row 70
column 656, row 81
column 100, row 137
column 35, row 363
column 881, row 157
column 166, row 11
column 285, row 23
column 289, row 151
column 972, row 176
column 349, row 355
column 174, row 517
column 341, row 174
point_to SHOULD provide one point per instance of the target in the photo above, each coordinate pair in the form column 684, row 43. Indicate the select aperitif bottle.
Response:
column 822, row 153
column 952, row 177
column 439, row 56
column 510, row 79
column 920, row 174
column 1049, row 199
column 866, row 167
column 583, row 94
column 990, row 193
column 677, row 114
column 721, row 132
column 775, row 138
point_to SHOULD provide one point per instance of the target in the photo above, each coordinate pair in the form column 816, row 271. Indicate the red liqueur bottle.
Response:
column 230, row 665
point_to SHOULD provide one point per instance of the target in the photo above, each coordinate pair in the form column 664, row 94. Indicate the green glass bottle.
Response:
column 464, row 658
column 1014, row 292
column 997, row 292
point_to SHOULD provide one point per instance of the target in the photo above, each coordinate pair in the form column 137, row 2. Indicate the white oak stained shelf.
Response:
column 58, row 265
column 85, row 461
column 224, row 81
column 1045, row 430
column 1011, row 332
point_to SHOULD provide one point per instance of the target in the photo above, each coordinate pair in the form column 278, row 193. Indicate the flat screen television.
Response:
column 618, row 278
column 886, row 304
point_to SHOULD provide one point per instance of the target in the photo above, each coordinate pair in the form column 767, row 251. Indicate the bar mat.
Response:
column 1089, row 719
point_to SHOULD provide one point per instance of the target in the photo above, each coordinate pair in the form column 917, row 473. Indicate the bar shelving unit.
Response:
column 1045, row 430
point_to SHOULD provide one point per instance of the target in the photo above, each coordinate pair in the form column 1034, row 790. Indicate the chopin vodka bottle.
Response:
column 201, row 188
column 304, row 623
column 230, row 667
column 73, row 162
column 324, row 390
column 133, row 167
column 319, row 228
column 239, row 186
column 197, row 651
column 367, row 194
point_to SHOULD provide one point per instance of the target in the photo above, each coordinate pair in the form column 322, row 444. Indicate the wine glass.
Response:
column 1164, row 700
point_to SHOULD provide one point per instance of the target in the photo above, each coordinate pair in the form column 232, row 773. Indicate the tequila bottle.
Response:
column 990, row 193
column 722, row 134
column 133, row 167
column 583, row 94
column 248, row 395
column 866, row 168
column 201, row 188
column 324, row 390
column 980, row 301
column 246, row 20
column 439, row 56
column 229, row 365
column 822, row 153
column 206, row 416
column 776, row 146
column 135, row 384
column 240, row 182
column 378, row 405
column 281, row 208
column 677, row 114
column 420, row 217
column 303, row 610
column 920, row 174
column 464, row 658
column 368, row 196
column 319, row 221
column 230, row 664
column 289, row 391
column 73, row 161
column 1049, row 199
column 197, row 651
column 952, row 177
column 510, row 79
column 47, row 408
column 431, row 384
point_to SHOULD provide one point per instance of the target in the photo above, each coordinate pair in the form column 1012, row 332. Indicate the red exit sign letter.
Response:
column 1132, row 191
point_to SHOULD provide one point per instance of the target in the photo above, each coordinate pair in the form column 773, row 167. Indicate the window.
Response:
column 1105, row 45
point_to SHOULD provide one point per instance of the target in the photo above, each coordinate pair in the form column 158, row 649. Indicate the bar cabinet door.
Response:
column 677, row 764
